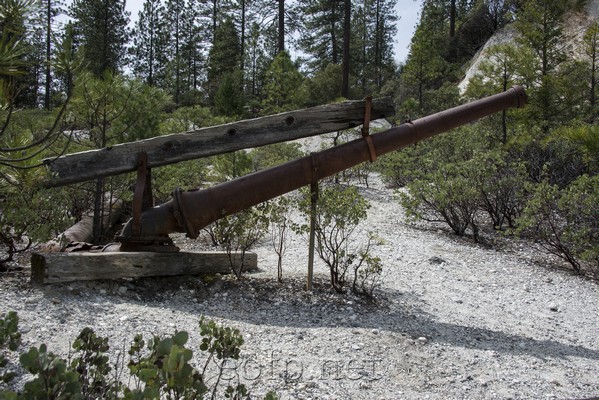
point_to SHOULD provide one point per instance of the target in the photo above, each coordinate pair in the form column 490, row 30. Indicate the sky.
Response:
column 407, row 10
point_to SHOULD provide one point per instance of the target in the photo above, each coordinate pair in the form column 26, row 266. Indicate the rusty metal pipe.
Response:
column 192, row 210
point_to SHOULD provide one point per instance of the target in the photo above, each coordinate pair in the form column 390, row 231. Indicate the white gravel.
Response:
column 453, row 320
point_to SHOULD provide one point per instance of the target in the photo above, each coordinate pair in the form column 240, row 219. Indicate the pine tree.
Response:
column 174, row 21
column 541, row 31
column 149, row 43
column 224, row 56
column 195, row 38
column 497, row 73
column 591, row 46
column 322, row 32
column 52, row 9
column 281, row 85
column 101, row 29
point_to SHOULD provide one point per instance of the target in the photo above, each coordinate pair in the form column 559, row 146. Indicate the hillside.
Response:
column 452, row 320
column 574, row 28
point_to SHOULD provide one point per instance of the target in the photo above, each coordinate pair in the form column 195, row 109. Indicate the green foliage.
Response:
column 165, row 372
column 228, row 99
column 101, row 29
column 566, row 222
column 91, row 363
column 28, row 214
column 231, row 165
column 115, row 109
column 186, row 175
column 585, row 140
column 339, row 211
column 445, row 195
column 159, row 368
column 184, row 119
column 239, row 233
column 557, row 159
column 405, row 165
column 53, row 379
column 279, row 217
column 142, row 116
column 10, row 339
column 220, row 342
column 224, row 56
column 367, row 270
column 325, row 86
column 275, row 154
column 501, row 186
column 281, row 84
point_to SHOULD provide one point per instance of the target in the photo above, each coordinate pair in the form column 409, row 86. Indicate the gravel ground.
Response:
column 453, row 319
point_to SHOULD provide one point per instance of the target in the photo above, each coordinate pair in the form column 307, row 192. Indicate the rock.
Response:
column 122, row 289
column 375, row 331
column 436, row 260
column 422, row 340
column 553, row 307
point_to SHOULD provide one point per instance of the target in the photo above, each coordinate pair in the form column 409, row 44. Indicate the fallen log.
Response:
column 82, row 231
column 66, row 267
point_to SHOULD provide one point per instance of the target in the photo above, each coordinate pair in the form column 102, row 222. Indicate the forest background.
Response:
column 93, row 82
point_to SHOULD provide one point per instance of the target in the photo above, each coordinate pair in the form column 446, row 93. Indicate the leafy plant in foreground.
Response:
column 159, row 368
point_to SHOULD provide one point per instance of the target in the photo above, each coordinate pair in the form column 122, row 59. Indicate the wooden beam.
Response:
column 169, row 149
column 66, row 267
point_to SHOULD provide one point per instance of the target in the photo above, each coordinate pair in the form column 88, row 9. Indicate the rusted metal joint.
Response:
column 181, row 215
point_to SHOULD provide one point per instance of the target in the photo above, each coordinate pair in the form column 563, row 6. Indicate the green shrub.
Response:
column 446, row 195
column 339, row 211
column 274, row 154
column 10, row 339
column 565, row 222
column 501, row 186
column 239, row 232
column 159, row 368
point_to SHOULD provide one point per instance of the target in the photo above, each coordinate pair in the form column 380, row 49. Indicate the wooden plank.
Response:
column 169, row 149
column 66, row 267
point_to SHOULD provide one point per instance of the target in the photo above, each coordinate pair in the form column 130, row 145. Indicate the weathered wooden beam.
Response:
column 66, row 267
column 169, row 149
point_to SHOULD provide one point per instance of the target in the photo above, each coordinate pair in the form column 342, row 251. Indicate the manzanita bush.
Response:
column 159, row 368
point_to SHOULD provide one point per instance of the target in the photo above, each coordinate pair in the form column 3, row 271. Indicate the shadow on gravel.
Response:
column 396, row 312
column 265, row 302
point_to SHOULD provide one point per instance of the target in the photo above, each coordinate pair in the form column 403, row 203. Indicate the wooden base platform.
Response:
column 66, row 267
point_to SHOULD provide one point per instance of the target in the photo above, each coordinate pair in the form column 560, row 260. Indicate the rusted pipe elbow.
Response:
column 155, row 221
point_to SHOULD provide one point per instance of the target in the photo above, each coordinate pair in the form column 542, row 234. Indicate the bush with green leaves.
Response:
column 279, row 215
column 239, row 232
column 368, row 270
column 186, row 175
column 10, row 339
column 565, row 222
column 159, row 368
column 275, row 154
column 445, row 195
column 339, row 211
column 29, row 213
column 501, row 186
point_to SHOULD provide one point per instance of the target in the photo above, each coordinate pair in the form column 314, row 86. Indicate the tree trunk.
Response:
column 452, row 17
column 334, row 57
column 242, row 38
column 346, row 40
column 377, row 44
column 48, row 55
column 281, row 38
